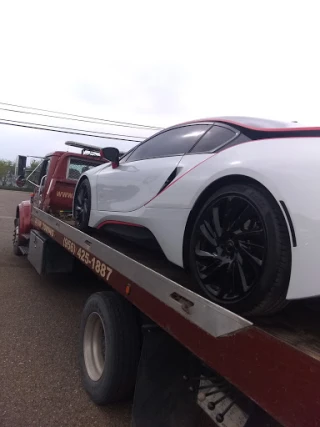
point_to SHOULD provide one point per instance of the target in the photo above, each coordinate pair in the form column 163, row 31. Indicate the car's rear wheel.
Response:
column 240, row 250
column 82, row 205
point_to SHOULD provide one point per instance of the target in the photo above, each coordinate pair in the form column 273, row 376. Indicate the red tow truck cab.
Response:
column 59, row 174
column 54, row 182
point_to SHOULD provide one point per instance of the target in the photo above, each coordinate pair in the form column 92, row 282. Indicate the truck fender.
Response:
column 24, row 214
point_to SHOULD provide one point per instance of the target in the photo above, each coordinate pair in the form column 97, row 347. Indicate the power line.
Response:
column 65, row 118
column 55, row 117
column 58, row 129
column 76, row 116
column 73, row 129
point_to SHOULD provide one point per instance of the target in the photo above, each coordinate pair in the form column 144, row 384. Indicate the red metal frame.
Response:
column 281, row 379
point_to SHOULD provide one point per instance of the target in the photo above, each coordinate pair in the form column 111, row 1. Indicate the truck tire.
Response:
column 110, row 347
column 16, row 239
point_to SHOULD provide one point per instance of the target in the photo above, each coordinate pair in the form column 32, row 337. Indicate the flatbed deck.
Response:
column 274, row 361
column 297, row 325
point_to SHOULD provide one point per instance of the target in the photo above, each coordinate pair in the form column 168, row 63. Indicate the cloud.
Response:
column 156, row 63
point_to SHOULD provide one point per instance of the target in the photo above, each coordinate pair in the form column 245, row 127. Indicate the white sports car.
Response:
column 236, row 201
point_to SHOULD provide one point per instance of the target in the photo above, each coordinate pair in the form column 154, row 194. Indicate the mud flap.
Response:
column 162, row 396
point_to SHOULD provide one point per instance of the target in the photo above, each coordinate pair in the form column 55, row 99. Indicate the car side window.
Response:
column 213, row 139
column 173, row 142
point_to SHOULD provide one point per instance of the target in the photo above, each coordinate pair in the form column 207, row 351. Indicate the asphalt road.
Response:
column 39, row 324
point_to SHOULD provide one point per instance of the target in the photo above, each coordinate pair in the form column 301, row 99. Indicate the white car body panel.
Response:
column 288, row 167
column 161, row 222
column 132, row 184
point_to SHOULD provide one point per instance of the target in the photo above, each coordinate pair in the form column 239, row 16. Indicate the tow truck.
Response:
column 185, row 360
column 54, row 180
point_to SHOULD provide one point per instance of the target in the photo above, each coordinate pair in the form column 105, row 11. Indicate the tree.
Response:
column 6, row 171
column 33, row 164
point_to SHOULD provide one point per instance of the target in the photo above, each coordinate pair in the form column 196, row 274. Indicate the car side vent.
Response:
column 170, row 178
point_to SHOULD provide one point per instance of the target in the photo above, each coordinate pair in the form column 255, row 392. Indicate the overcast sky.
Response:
column 155, row 63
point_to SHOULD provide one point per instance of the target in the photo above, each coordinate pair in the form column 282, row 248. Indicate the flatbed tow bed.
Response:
column 274, row 362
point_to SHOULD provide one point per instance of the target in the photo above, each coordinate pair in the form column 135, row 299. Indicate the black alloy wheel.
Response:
column 231, row 247
column 82, row 205
column 240, row 250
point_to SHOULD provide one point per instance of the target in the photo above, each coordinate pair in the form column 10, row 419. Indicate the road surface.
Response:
column 39, row 325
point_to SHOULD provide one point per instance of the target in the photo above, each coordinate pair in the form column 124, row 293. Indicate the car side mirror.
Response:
column 112, row 154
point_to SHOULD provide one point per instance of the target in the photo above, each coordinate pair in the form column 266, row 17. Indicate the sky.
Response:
column 154, row 63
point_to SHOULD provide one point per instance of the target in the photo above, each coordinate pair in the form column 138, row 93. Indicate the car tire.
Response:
column 16, row 239
column 247, row 269
column 112, row 379
column 82, row 205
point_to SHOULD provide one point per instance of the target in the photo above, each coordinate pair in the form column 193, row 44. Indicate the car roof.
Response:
column 260, row 128
column 253, row 123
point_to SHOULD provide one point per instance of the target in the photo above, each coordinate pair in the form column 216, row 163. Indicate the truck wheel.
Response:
column 110, row 347
column 16, row 240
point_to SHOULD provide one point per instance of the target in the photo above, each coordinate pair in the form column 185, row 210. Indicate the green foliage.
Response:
column 6, row 171
column 33, row 165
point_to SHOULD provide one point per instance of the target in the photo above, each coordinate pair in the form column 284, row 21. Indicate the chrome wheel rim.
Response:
column 230, row 248
column 94, row 346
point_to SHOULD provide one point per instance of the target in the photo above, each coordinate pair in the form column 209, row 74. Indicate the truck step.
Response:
column 26, row 236
column 24, row 250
